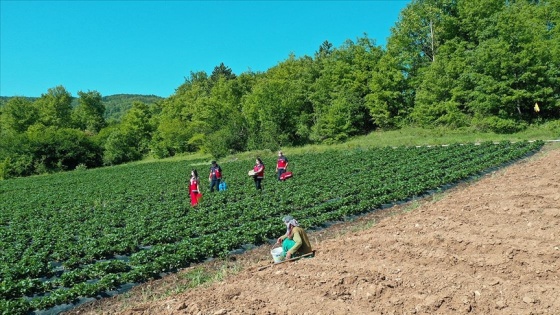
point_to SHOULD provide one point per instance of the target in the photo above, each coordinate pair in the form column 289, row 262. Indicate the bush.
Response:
column 81, row 167
column 120, row 148
column 500, row 125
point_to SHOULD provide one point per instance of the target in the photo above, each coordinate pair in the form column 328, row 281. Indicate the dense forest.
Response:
column 489, row 65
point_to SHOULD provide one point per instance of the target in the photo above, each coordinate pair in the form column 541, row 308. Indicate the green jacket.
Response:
column 302, row 246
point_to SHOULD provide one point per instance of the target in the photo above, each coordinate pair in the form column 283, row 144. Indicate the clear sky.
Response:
column 150, row 47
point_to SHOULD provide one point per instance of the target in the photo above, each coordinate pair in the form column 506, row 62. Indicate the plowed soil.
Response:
column 490, row 246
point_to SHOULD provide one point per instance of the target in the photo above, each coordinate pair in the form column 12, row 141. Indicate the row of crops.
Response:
column 79, row 234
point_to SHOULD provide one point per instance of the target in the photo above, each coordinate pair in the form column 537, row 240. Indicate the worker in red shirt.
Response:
column 215, row 176
column 259, row 173
column 194, row 188
column 281, row 164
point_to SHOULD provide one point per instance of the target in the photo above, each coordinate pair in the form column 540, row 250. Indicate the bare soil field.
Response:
column 491, row 246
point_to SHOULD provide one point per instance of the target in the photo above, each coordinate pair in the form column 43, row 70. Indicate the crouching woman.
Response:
column 295, row 242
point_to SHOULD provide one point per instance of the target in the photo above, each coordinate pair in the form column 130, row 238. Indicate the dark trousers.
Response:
column 280, row 172
column 214, row 182
column 258, row 183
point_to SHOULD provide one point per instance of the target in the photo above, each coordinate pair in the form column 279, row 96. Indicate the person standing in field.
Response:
column 194, row 188
column 215, row 176
column 295, row 242
column 259, row 173
column 281, row 164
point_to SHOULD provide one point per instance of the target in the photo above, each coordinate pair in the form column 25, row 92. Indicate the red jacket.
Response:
column 259, row 170
column 282, row 162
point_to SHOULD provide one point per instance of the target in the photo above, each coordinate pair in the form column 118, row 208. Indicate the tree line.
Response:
column 489, row 65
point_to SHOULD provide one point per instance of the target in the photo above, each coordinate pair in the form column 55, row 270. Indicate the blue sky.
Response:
column 149, row 47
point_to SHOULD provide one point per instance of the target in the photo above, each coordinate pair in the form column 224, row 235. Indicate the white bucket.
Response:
column 277, row 254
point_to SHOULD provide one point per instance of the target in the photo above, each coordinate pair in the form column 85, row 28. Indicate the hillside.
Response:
column 489, row 247
column 115, row 105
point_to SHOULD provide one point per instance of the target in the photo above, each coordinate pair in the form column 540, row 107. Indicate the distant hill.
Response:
column 115, row 105
column 5, row 99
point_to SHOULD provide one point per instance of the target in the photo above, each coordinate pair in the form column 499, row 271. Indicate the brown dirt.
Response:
column 488, row 247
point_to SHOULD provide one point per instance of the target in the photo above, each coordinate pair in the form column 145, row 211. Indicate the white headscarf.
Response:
column 290, row 221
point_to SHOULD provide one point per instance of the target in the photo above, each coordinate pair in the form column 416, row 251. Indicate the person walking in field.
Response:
column 258, row 176
column 295, row 242
column 194, row 188
column 281, row 165
column 215, row 176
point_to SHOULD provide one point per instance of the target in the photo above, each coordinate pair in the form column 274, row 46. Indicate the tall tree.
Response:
column 442, row 97
column 131, row 140
column 55, row 107
column 276, row 104
column 339, row 92
column 88, row 115
column 178, row 129
column 17, row 115
column 423, row 26
column 222, row 71
column 391, row 96
column 227, row 124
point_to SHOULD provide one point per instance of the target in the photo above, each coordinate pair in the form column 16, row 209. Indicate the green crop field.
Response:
column 79, row 234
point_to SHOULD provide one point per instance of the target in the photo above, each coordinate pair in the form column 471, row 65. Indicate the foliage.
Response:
column 17, row 115
column 339, row 92
column 489, row 60
column 130, row 141
column 88, row 115
column 275, row 103
column 46, row 149
column 54, row 107
column 117, row 105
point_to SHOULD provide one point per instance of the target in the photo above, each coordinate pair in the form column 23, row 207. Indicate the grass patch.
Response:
column 412, row 206
column 413, row 136
column 437, row 197
column 201, row 276
column 408, row 136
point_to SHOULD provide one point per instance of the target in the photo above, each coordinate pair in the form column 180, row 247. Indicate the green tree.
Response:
column 181, row 123
column 226, row 123
column 424, row 26
column 277, row 102
column 16, row 156
column 516, row 66
column 119, row 148
column 391, row 97
column 88, row 115
column 55, row 107
column 17, row 115
column 441, row 97
column 460, row 62
column 338, row 94
column 222, row 71
column 131, row 139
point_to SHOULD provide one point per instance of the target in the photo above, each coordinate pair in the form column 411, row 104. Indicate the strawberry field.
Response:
column 82, row 233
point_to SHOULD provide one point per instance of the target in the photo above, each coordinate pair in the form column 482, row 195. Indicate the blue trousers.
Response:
column 215, row 182
column 280, row 172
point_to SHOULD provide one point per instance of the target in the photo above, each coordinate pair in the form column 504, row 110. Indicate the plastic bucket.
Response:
column 277, row 254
